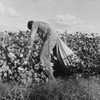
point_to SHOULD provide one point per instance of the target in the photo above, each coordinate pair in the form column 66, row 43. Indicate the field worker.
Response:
column 50, row 39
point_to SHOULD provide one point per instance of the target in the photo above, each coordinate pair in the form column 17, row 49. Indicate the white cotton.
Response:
column 21, row 55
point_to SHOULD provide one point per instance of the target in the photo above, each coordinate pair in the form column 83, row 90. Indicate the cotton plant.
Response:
column 17, row 67
column 86, row 47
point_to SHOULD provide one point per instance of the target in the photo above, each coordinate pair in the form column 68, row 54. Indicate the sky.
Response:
column 70, row 15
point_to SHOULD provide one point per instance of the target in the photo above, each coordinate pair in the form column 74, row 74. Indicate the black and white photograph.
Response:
column 49, row 50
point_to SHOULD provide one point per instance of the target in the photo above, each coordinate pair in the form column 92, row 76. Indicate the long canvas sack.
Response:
column 63, row 51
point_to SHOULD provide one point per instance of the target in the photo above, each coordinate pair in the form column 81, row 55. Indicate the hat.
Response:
column 29, row 24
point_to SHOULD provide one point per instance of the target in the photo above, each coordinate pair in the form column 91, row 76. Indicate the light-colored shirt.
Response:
column 43, row 29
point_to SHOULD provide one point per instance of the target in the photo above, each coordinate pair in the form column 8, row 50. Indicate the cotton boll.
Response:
column 25, row 62
column 21, row 55
column 5, row 74
column 21, row 69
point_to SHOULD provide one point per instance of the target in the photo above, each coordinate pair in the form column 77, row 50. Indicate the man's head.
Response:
column 29, row 24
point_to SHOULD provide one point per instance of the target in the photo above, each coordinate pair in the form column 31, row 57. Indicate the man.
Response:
column 49, row 37
column 50, row 40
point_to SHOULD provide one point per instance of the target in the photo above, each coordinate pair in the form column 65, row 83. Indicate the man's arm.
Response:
column 33, row 32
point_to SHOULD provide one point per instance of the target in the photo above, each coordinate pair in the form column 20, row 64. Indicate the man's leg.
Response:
column 46, row 55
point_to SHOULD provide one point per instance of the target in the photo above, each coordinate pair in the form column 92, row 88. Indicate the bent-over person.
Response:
column 49, row 37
